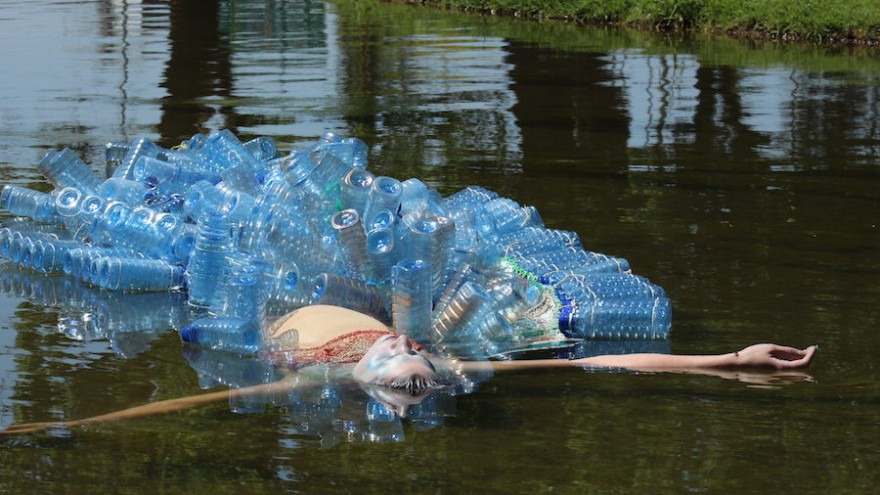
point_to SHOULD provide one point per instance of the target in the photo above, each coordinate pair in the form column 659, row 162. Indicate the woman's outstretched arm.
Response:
column 769, row 356
column 766, row 356
column 160, row 407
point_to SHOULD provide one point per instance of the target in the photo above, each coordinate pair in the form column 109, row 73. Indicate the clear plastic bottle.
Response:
column 67, row 204
column 350, row 151
column 356, row 189
column 331, row 170
column 465, row 300
column 610, row 265
column 380, row 250
column 502, row 216
column 105, row 226
column 611, row 286
column 411, row 298
column 138, row 275
column 77, row 261
column 384, row 195
column 49, row 254
column 208, row 266
column 204, row 197
column 287, row 238
column 352, row 239
column 468, row 197
column 232, row 335
column 138, row 148
column 263, row 148
column 155, row 172
column 65, row 169
column 425, row 240
column 22, row 201
column 128, row 191
column 635, row 319
column 238, row 166
column 353, row 294
column 223, row 151
column 114, row 153
column 244, row 294
column 562, row 259
column 533, row 240
column 382, row 219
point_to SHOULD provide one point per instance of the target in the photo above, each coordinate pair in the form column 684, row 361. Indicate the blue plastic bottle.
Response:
column 128, row 191
column 49, row 254
column 138, row 275
column 232, row 335
column 644, row 319
column 208, row 266
column 244, row 293
column 263, row 148
column 353, row 294
column 138, row 148
column 411, row 298
column 22, row 201
column 384, row 195
column 65, row 169
column 352, row 240
column 380, row 250
column 356, row 189
column 114, row 153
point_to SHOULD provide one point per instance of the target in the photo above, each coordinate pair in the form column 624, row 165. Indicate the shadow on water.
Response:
column 741, row 177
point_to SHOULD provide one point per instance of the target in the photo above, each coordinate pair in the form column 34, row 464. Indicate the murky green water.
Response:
column 743, row 179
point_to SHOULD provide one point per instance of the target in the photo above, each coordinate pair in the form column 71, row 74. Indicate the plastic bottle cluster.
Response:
column 247, row 233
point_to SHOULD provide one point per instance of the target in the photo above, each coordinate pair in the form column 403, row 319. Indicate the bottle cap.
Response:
column 189, row 333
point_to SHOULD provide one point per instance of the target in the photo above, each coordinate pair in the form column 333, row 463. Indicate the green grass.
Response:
column 816, row 20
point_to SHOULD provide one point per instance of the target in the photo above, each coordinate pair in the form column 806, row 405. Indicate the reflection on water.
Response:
column 741, row 178
column 127, row 321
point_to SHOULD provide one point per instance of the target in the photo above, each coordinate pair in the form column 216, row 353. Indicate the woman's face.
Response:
column 392, row 361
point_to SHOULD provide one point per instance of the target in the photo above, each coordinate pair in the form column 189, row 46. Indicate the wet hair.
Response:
column 414, row 384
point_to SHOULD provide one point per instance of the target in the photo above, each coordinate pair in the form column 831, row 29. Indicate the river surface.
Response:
column 742, row 178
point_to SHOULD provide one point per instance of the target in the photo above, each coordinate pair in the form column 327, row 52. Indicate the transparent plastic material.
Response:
column 411, row 298
column 341, row 291
column 22, row 201
column 380, row 250
column 262, row 148
column 127, row 191
column 137, row 275
column 208, row 267
column 65, row 169
column 645, row 319
column 356, row 189
column 232, row 335
column 139, row 147
column 614, row 306
column 384, row 195
column 244, row 296
column 249, row 232
column 352, row 240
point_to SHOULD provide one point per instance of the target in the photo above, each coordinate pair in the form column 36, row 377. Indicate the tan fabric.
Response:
column 319, row 324
column 323, row 334
column 348, row 348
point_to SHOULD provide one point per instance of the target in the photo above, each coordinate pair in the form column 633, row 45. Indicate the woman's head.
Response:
column 393, row 362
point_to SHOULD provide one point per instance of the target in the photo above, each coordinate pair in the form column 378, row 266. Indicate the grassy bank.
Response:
column 853, row 21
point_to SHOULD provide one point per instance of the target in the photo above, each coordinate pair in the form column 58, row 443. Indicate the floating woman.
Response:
column 394, row 370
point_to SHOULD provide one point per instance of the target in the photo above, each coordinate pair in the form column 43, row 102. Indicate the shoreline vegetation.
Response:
column 848, row 22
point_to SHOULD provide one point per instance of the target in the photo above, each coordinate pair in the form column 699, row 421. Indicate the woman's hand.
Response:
column 774, row 356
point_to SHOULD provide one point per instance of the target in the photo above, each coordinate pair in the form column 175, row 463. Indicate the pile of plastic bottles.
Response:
column 248, row 233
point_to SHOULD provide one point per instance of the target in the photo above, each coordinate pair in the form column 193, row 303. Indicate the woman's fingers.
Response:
column 789, row 357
